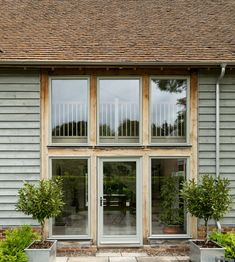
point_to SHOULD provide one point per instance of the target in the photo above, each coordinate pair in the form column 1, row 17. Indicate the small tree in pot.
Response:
column 41, row 201
column 207, row 200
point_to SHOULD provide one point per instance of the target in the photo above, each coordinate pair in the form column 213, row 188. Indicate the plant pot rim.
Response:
column 33, row 249
column 206, row 248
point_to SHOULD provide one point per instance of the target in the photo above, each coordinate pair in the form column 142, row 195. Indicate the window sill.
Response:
column 170, row 145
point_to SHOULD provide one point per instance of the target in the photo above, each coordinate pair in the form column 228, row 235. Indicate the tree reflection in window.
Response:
column 168, row 110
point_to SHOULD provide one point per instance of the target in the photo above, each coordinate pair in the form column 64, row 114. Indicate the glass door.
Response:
column 119, row 202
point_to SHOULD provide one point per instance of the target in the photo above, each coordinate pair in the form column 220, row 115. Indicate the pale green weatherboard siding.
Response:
column 19, row 141
column 206, row 140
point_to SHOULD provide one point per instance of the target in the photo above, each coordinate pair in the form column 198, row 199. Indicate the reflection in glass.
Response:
column 168, row 110
column 69, row 110
column 168, row 213
column 74, row 218
column 119, row 198
column 119, row 110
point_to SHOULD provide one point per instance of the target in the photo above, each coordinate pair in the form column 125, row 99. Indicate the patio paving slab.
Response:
column 88, row 259
column 158, row 259
column 125, row 254
column 108, row 254
column 61, row 259
column 122, row 259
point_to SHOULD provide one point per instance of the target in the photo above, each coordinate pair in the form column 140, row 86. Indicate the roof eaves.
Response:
column 28, row 62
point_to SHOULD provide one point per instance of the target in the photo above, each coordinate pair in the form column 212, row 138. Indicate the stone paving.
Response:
column 123, row 257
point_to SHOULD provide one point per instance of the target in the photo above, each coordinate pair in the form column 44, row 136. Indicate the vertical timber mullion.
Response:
column 44, row 125
column 193, row 138
column 145, row 110
column 93, row 110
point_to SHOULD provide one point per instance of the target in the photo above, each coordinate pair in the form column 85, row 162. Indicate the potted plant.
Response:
column 41, row 201
column 227, row 240
column 172, row 210
column 207, row 200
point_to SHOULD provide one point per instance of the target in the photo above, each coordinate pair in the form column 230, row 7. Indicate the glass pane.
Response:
column 168, row 110
column 69, row 111
column 119, row 111
column 74, row 218
column 119, row 194
column 168, row 214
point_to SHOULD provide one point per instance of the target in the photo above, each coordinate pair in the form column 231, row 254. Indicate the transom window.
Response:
column 119, row 111
column 169, row 98
column 69, row 110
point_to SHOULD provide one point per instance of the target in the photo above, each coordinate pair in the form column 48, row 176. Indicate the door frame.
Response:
column 127, row 240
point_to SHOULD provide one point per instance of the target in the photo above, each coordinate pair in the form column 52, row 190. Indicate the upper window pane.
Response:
column 168, row 110
column 119, row 110
column 69, row 110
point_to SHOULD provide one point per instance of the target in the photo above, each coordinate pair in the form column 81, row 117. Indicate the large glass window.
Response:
column 73, row 220
column 168, row 110
column 69, row 110
column 168, row 212
column 119, row 110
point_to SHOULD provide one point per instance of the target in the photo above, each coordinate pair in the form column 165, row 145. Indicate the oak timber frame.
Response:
column 145, row 151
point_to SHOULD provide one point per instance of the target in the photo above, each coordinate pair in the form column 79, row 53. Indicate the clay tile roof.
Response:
column 116, row 31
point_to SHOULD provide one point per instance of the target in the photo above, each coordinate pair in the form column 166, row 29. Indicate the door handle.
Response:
column 101, row 201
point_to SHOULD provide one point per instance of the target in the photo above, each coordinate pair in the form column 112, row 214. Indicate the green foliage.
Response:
column 12, row 247
column 172, row 211
column 41, row 201
column 209, row 199
column 225, row 240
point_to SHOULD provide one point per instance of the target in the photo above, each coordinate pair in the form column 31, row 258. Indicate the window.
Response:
column 119, row 111
column 168, row 212
column 73, row 220
column 69, row 110
column 169, row 99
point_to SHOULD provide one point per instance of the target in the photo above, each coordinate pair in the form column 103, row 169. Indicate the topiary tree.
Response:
column 209, row 199
column 41, row 201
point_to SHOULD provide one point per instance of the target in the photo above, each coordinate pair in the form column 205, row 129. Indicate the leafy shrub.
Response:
column 12, row 247
column 209, row 199
column 42, row 201
column 225, row 240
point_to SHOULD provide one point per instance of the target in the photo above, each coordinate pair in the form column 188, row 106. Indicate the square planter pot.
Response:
column 199, row 254
column 39, row 255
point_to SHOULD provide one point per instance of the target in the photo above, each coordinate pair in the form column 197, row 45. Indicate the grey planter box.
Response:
column 224, row 259
column 39, row 255
column 198, row 254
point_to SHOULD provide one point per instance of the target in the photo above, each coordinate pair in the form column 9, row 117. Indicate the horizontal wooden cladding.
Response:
column 20, row 169
column 12, row 214
column 20, row 102
column 19, row 117
column 30, row 176
column 20, row 147
column 20, row 132
column 18, row 94
column 23, row 78
column 206, row 78
column 14, row 184
column 19, row 140
column 20, row 110
column 22, row 155
column 17, row 87
column 207, row 131
column 17, row 221
column 20, row 125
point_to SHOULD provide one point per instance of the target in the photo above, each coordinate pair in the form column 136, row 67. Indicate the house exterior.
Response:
column 124, row 100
